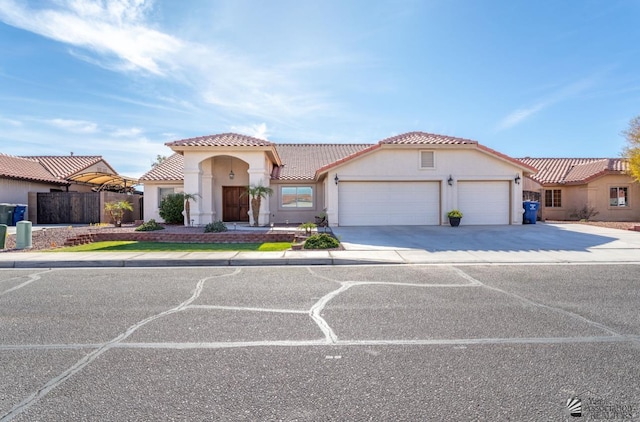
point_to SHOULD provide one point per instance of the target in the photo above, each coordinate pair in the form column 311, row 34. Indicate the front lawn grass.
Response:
column 133, row 246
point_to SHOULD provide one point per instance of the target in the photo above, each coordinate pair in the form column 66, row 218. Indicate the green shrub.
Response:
column 149, row 226
column 171, row 208
column 215, row 227
column 321, row 241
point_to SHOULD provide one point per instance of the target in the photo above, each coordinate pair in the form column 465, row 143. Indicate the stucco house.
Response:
column 25, row 179
column 410, row 179
column 566, row 186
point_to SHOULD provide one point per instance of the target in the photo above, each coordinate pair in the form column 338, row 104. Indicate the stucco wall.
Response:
column 595, row 195
column 17, row 191
column 129, row 216
column 403, row 164
column 599, row 191
column 281, row 215
column 150, row 198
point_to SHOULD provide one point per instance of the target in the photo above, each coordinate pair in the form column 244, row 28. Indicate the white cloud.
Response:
column 76, row 126
column 11, row 122
column 259, row 131
column 109, row 28
column 119, row 35
column 126, row 132
column 514, row 118
column 562, row 94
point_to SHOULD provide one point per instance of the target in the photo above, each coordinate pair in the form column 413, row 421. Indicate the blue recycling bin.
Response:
column 18, row 214
column 530, row 212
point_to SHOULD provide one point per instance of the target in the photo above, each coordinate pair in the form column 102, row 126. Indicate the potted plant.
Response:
column 454, row 217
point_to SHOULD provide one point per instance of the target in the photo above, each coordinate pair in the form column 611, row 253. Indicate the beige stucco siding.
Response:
column 281, row 215
column 403, row 164
column 595, row 195
column 151, row 199
column 17, row 191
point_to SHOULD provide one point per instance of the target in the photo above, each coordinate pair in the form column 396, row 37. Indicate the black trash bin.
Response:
column 6, row 213
column 19, row 213
column 530, row 212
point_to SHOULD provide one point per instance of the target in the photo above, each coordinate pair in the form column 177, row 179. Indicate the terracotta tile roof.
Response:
column 171, row 169
column 63, row 166
column 302, row 160
column 573, row 170
column 423, row 138
column 26, row 169
column 307, row 161
column 221, row 140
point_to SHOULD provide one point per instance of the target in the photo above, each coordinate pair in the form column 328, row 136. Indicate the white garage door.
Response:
column 389, row 203
column 484, row 202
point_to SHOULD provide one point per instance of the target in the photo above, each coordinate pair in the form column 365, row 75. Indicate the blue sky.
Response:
column 119, row 78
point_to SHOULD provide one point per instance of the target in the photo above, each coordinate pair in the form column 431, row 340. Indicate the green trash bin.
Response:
column 3, row 235
column 24, row 238
column 6, row 213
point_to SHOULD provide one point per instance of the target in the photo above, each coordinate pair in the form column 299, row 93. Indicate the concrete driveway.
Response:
column 517, row 238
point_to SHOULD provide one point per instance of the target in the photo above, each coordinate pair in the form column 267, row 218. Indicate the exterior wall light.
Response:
column 231, row 173
column 450, row 181
column 517, row 179
column 336, row 179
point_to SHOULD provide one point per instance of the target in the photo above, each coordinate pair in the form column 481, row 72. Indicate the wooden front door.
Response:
column 235, row 205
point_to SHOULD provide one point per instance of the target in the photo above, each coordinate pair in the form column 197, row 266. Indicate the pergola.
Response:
column 106, row 181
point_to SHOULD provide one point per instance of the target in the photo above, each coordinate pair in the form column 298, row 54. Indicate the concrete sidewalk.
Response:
column 542, row 243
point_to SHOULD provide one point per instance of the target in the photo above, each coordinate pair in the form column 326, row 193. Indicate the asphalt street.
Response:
column 410, row 342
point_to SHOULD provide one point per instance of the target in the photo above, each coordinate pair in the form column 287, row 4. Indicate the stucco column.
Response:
column 260, row 176
column 516, row 201
column 331, row 200
column 193, row 184
column 206, row 195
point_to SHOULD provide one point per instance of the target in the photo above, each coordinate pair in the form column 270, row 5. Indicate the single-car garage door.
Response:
column 484, row 202
column 389, row 203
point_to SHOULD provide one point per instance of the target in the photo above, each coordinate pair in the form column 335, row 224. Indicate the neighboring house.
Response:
column 23, row 179
column 571, row 188
column 410, row 179
column 19, row 176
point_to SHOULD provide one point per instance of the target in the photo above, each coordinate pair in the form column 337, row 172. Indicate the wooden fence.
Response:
column 81, row 207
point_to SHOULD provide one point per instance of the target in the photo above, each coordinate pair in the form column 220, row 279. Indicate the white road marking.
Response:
column 318, row 307
column 315, row 313
column 90, row 357
column 541, row 305
column 32, row 278
column 240, row 308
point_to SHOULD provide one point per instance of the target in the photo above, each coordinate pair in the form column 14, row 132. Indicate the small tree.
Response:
column 159, row 160
column 256, row 193
column 632, row 149
column 116, row 210
column 187, row 206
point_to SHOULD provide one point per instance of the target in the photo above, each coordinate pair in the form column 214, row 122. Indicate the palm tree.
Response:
column 187, row 206
column 256, row 193
column 116, row 210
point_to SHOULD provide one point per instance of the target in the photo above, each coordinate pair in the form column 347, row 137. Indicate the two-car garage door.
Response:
column 389, row 203
column 418, row 203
